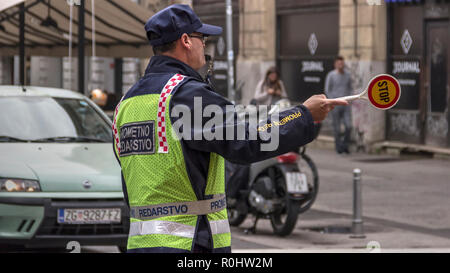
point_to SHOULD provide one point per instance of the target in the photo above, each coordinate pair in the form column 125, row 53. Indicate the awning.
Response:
column 119, row 28
column 9, row 3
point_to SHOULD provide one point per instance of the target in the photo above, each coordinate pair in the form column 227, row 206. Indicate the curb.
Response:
column 396, row 148
column 323, row 142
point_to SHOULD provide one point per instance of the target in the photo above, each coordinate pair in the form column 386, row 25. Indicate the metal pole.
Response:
column 22, row 44
column 230, row 55
column 81, row 36
column 357, row 223
column 355, row 30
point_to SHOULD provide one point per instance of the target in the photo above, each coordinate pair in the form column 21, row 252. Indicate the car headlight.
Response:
column 19, row 185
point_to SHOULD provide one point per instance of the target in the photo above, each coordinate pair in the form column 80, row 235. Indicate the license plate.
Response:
column 296, row 182
column 89, row 216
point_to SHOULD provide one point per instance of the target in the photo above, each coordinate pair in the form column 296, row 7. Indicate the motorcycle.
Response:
column 278, row 188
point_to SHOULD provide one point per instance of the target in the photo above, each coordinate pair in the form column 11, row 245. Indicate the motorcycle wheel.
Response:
column 284, row 219
column 310, row 170
column 284, row 223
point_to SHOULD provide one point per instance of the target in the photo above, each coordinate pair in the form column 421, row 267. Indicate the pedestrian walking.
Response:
column 338, row 83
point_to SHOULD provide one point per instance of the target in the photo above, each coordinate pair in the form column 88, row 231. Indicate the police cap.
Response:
column 170, row 23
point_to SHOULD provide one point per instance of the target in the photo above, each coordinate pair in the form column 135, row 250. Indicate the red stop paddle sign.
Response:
column 383, row 92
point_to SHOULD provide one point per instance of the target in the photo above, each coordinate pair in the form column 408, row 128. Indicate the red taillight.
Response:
column 287, row 158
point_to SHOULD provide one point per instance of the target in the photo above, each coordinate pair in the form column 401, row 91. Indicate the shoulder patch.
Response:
column 137, row 138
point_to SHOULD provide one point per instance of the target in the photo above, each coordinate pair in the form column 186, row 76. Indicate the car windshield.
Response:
column 48, row 119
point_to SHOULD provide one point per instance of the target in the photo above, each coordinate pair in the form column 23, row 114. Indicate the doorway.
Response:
column 436, row 84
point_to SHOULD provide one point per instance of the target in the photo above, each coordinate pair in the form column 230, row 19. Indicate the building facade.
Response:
column 408, row 39
column 418, row 55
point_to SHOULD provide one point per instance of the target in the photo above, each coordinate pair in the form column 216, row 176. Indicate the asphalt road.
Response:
column 406, row 203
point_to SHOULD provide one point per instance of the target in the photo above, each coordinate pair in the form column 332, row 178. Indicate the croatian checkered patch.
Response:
column 168, row 88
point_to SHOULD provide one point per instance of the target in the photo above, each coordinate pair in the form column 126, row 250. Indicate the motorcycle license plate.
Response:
column 296, row 182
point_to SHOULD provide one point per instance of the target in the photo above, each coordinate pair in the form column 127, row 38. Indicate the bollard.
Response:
column 357, row 223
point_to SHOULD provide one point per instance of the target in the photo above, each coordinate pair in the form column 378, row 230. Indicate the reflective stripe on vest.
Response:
column 174, row 228
column 202, row 207
column 219, row 226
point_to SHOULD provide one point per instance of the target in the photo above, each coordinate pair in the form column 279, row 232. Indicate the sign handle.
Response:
column 354, row 97
column 383, row 92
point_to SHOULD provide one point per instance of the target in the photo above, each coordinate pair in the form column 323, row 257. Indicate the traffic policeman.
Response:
column 173, row 183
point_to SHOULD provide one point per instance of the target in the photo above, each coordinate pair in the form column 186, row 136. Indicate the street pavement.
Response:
column 406, row 201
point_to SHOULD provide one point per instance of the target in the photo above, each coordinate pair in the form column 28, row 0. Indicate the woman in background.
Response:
column 270, row 89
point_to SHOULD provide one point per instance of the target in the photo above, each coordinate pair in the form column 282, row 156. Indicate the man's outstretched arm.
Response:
column 271, row 136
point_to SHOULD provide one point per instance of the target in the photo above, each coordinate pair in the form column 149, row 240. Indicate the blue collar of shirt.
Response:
column 166, row 64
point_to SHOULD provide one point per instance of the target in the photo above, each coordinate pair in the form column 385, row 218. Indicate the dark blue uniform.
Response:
column 293, row 132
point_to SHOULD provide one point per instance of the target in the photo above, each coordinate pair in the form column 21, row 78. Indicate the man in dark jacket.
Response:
column 192, row 161
column 338, row 83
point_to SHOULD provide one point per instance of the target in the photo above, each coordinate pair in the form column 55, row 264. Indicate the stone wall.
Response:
column 364, row 59
column 256, row 45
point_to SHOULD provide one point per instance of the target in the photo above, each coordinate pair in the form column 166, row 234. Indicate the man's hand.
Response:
column 319, row 106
